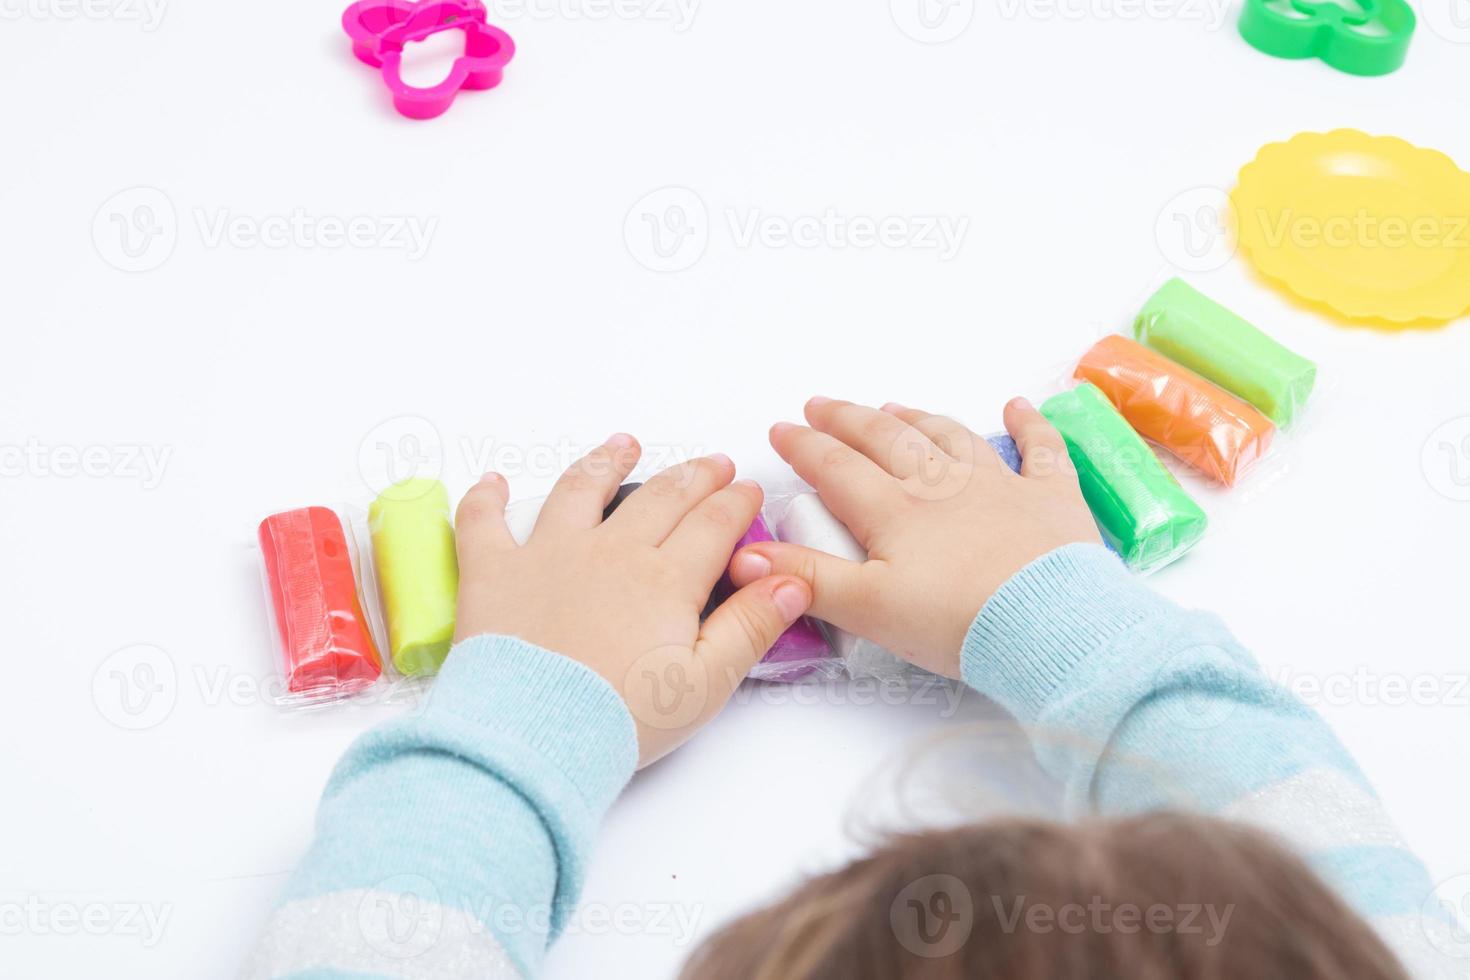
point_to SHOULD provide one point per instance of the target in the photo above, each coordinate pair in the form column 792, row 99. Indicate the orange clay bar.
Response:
column 1204, row 425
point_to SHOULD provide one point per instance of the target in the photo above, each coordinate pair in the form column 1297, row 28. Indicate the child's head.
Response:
column 1155, row 897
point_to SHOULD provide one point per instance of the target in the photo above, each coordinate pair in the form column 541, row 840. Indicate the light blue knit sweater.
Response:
column 453, row 843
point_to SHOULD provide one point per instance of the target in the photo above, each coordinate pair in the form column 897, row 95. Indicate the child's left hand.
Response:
column 623, row 596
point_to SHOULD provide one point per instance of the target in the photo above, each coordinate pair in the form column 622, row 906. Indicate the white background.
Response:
column 269, row 375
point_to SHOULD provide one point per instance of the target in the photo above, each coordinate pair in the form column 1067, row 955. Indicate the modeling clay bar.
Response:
column 796, row 653
column 799, row 650
column 326, row 650
column 418, row 574
column 803, row 519
column 1142, row 510
column 1203, row 425
column 1188, row 327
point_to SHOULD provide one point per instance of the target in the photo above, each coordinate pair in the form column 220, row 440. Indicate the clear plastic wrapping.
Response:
column 802, row 651
column 1201, row 384
column 324, row 643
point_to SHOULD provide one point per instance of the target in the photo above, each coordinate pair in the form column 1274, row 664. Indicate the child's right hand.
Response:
column 944, row 521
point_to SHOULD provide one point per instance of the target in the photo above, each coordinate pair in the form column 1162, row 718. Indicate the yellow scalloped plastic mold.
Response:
column 1371, row 226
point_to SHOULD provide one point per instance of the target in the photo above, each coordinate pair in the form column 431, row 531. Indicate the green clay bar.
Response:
column 1142, row 510
column 1188, row 327
column 418, row 574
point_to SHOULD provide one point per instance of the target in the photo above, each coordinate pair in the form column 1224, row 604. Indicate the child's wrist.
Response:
column 1048, row 617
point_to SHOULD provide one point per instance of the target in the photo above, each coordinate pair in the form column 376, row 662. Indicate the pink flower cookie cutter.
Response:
column 381, row 29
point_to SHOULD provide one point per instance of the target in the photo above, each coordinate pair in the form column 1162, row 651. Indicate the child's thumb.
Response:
column 836, row 584
column 742, row 628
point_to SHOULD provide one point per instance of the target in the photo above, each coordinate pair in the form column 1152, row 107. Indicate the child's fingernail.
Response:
column 1023, row 404
column 817, row 401
column 790, row 599
column 780, row 428
column 892, row 407
column 619, row 440
column 491, row 477
column 750, row 484
column 753, row 565
column 721, row 459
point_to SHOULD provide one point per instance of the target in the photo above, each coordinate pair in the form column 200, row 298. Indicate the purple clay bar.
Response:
column 801, row 644
column 1005, row 447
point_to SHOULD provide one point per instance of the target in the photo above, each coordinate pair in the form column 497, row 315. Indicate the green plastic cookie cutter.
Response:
column 1360, row 37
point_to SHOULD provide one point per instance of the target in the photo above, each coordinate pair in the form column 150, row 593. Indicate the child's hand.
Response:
column 944, row 520
column 624, row 596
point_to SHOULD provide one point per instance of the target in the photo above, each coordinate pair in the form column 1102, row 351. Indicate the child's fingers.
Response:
column 738, row 633
column 704, row 539
column 651, row 512
column 576, row 501
column 946, row 433
column 852, row 486
column 1042, row 448
column 840, row 591
column 893, row 444
column 480, row 530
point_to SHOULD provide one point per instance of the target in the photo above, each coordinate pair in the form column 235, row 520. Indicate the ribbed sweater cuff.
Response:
column 1048, row 618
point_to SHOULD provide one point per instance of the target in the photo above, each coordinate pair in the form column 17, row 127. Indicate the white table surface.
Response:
column 229, row 378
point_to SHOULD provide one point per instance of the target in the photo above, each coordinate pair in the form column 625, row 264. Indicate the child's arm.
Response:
column 453, row 842
column 1131, row 702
